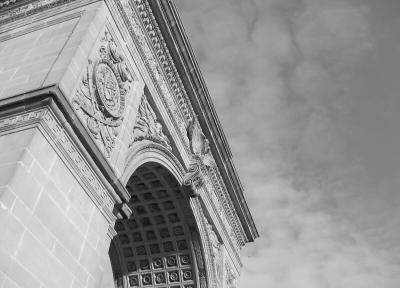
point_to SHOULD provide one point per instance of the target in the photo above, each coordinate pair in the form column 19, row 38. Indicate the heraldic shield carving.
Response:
column 101, row 95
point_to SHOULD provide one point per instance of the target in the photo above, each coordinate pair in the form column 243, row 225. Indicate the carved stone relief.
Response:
column 202, row 158
column 230, row 278
column 147, row 127
column 100, row 98
column 216, row 253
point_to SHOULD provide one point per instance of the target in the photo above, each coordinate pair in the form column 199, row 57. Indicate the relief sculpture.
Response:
column 147, row 127
column 216, row 254
column 202, row 159
column 100, row 98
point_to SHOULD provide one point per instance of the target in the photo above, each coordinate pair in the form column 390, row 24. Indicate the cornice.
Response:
column 182, row 55
column 195, row 93
column 164, row 73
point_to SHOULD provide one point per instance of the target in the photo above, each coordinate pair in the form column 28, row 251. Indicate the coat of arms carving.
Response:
column 100, row 97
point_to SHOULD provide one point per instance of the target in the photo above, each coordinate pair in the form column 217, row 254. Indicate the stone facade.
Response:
column 114, row 168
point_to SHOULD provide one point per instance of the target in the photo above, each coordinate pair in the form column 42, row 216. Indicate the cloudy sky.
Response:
column 308, row 93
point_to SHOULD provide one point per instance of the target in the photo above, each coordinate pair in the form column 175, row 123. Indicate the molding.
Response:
column 16, row 9
column 147, row 151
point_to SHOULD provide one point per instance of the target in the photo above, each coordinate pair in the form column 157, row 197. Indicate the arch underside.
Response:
column 154, row 245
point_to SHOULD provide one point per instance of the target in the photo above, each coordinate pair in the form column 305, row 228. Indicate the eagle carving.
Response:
column 202, row 158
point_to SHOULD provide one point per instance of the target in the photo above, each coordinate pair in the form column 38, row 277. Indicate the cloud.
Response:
column 279, row 73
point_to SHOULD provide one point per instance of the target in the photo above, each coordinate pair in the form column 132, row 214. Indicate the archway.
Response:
column 154, row 247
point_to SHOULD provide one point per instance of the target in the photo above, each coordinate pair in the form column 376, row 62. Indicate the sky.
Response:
column 308, row 93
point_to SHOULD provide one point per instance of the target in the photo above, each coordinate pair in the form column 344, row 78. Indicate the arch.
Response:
column 160, row 244
column 147, row 151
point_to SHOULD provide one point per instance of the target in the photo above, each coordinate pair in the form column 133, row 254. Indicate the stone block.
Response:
column 8, row 283
column 25, row 186
column 37, row 259
column 6, row 173
column 71, row 263
column 11, row 156
column 16, row 272
column 98, row 224
column 77, row 219
column 38, row 173
column 61, row 227
column 77, row 284
column 11, row 231
column 42, row 151
column 81, row 202
column 16, row 140
column 11, row 88
column 29, row 58
column 92, row 237
column 61, row 30
column 62, row 176
column 59, row 197
column 7, row 197
column 90, row 259
column 33, row 224
column 39, row 66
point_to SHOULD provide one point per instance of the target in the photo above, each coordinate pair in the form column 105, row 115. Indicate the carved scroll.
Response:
column 100, row 98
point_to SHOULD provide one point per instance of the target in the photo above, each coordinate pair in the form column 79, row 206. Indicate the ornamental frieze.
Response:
column 147, row 127
column 100, row 98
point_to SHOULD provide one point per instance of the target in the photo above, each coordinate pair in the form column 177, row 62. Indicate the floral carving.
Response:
column 101, row 95
column 147, row 127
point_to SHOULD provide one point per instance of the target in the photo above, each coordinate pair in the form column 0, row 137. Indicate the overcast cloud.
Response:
column 308, row 94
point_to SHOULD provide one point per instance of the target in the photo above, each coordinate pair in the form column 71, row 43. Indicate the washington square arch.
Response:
column 114, row 168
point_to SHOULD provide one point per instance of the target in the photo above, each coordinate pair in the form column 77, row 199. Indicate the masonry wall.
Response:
column 47, row 48
column 52, row 234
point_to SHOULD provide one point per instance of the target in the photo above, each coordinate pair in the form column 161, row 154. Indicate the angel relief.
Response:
column 147, row 127
column 100, row 97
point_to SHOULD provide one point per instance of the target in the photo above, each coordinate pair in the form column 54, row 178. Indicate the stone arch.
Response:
column 147, row 151
column 159, row 245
